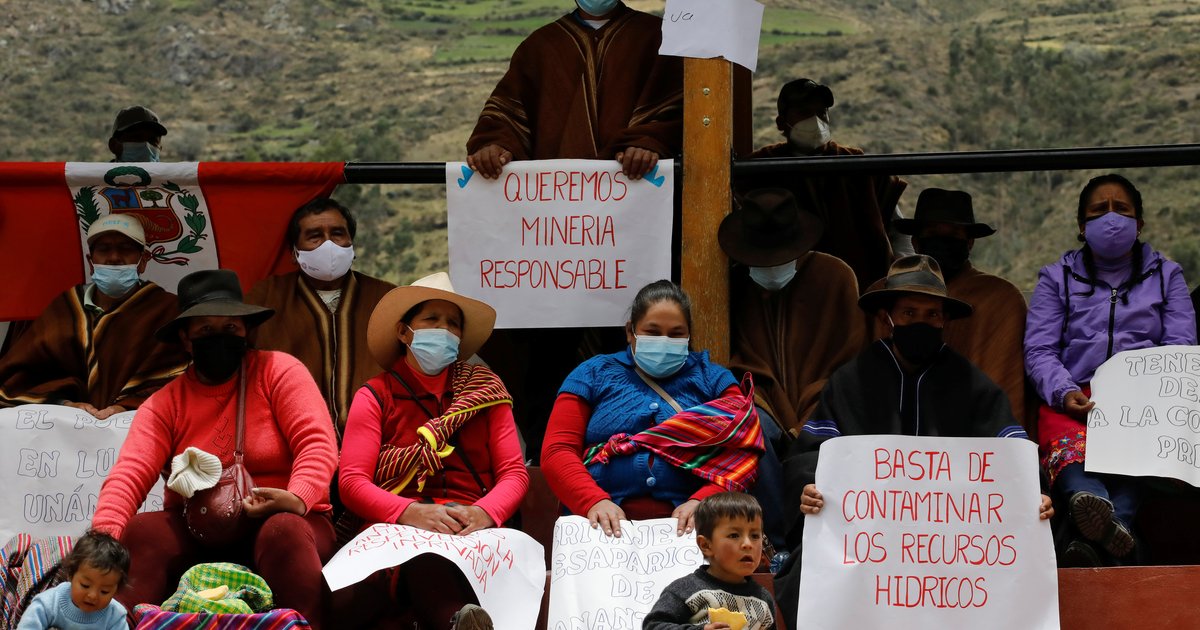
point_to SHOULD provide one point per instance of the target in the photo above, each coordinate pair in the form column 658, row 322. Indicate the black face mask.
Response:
column 917, row 343
column 217, row 357
column 949, row 252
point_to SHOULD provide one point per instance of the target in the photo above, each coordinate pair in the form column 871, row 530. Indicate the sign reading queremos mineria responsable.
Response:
column 1147, row 415
column 922, row 532
column 558, row 243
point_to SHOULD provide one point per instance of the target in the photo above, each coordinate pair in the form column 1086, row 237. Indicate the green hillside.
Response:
column 403, row 80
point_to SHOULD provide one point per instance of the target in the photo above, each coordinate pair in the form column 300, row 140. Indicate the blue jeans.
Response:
column 1122, row 490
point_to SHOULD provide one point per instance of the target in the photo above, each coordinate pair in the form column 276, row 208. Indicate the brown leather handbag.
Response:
column 215, row 516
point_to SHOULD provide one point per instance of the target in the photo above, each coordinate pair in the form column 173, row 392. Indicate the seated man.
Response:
column 856, row 209
column 321, row 311
column 136, row 135
column 794, row 311
column 907, row 384
column 590, row 85
column 944, row 228
column 91, row 348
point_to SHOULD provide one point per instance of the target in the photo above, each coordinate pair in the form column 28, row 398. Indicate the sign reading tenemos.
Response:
column 1147, row 415
column 557, row 243
column 928, row 532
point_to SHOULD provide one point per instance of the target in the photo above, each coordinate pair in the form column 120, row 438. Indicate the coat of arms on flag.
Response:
column 166, row 198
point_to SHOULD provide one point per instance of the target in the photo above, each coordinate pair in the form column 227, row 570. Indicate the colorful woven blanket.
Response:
column 720, row 440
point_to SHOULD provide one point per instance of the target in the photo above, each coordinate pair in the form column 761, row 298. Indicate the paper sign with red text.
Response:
column 1147, row 415
column 558, row 243
column 601, row 581
column 921, row 532
column 505, row 567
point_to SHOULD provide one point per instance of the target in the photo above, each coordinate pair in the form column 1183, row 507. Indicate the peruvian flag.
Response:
column 197, row 215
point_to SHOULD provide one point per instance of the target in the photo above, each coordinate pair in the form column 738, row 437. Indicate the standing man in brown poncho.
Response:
column 590, row 85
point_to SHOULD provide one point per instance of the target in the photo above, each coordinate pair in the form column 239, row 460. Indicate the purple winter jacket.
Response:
column 1068, row 333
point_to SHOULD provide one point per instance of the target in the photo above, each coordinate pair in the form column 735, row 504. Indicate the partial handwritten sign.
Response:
column 53, row 460
column 705, row 29
column 599, row 581
column 1147, row 415
column 558, row 243
column 921, row 532
column 505, row 567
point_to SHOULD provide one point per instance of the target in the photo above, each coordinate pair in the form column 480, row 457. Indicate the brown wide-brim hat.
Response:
column 768, row 228
column 908, row 275
column 211, row 293
column 478, row 317
column 935, row 205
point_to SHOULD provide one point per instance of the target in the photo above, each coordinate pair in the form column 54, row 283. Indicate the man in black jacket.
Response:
column 909, row 383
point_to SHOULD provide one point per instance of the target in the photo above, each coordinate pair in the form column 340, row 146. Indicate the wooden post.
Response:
column 707, row 150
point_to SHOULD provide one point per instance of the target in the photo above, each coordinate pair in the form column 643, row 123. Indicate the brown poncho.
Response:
column 72, row 354
column 576, row 92
column 332, row 347
column 856, row 209
column 792, row 340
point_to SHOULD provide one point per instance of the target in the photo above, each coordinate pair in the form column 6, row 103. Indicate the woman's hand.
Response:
column 264, row 502
column 686, row 513
column 431, row 517
column 811, row 501
column 608, row 516
column 472, row 517
column 1046, row 510
column 1077, row 405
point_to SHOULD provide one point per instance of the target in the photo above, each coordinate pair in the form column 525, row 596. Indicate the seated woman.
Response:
column 395, row 466
column 1113, row 294
column 610, row 397
column 290, row 452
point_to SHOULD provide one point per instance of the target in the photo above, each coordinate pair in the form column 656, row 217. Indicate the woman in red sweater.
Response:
column 290, row 452
column 431, row 441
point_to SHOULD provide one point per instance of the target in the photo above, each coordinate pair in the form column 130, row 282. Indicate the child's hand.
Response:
column 811, row 501
column 717, row 626
column 1046, row 511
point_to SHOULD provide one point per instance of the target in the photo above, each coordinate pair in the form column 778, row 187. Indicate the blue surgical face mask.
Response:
column 138, row 152
column 115, row 280
column 596, row 7
column 434, row 349
column 660, row 357
column 774, row 278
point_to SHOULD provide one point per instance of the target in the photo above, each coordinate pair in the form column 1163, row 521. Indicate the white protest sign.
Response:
column 921, row 532
column 558, row 243
column 600, row 582
column 506, row 568
column 705, row 29
column 1147, row 415
column 53, row 460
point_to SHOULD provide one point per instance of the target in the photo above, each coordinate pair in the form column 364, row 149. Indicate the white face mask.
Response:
column 809, row 134
column 774, row 278
column 328, row 262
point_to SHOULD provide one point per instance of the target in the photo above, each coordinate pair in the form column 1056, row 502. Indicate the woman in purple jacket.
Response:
column 1113, row 294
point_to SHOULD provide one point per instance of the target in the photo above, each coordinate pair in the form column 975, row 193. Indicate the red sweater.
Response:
column 289, row 438
column 489, row 440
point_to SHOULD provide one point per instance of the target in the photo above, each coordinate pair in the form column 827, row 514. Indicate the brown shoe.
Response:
column 471, row 617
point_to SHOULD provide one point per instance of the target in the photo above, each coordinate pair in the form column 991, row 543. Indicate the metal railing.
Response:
column 891, row 164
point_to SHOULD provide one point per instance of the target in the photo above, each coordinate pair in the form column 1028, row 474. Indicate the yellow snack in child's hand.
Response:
column 215, row 594
column 736, row 620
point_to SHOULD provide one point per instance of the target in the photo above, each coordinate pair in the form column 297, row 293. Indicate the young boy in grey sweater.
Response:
column 720, row 595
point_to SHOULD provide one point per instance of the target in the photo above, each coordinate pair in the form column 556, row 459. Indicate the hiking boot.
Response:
column 1092, row 515
column 471, row 617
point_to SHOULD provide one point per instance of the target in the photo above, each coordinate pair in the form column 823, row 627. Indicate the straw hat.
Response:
column 908, row 275
column 209, row 293
column 478, row 318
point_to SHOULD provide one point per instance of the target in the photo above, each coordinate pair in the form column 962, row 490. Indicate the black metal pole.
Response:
column 890, row 164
